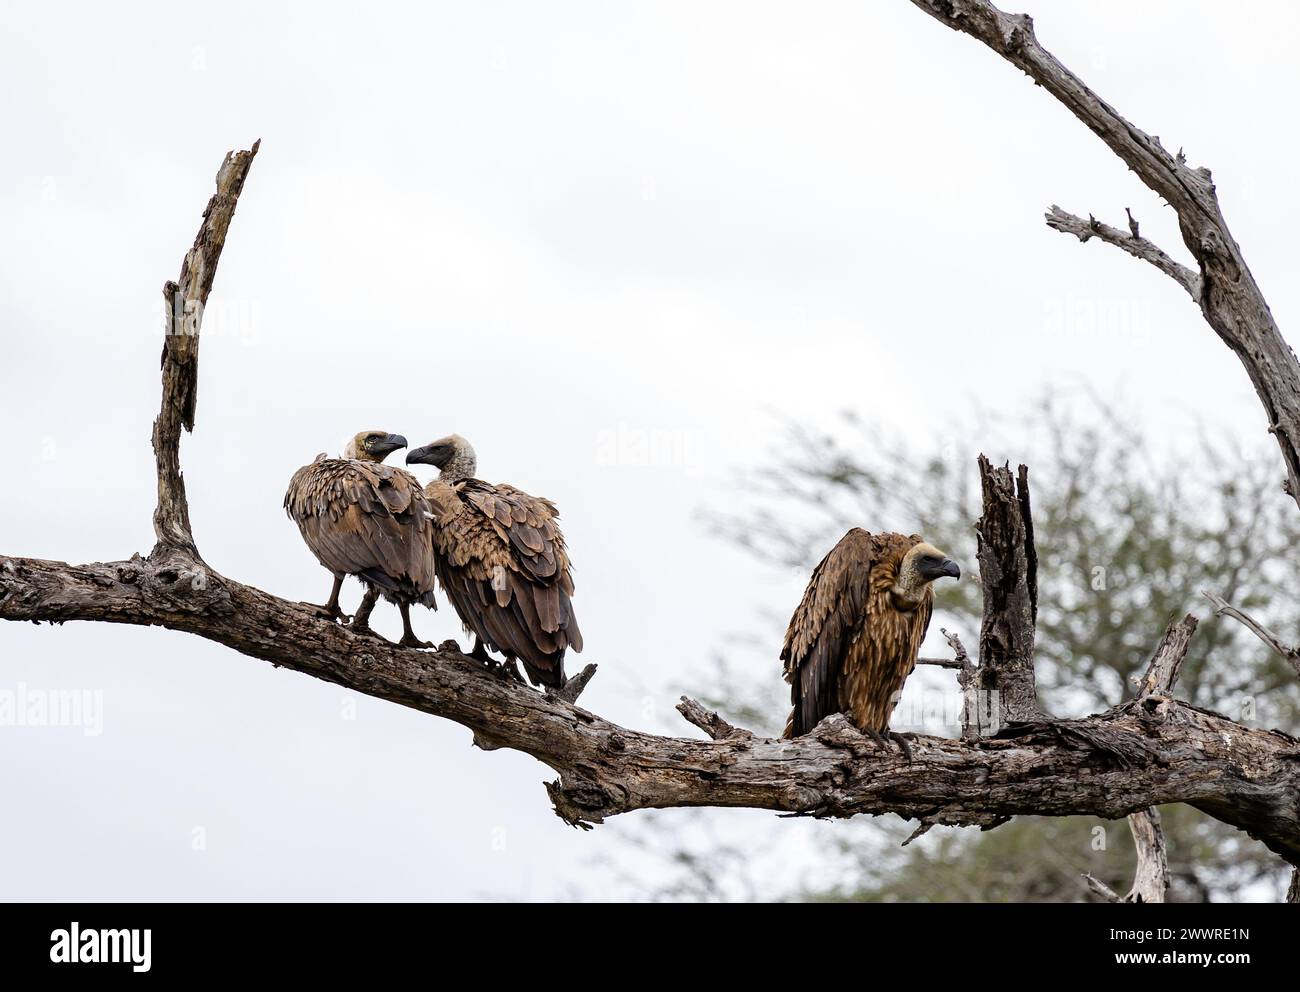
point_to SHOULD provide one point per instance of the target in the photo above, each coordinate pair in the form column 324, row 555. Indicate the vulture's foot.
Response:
column 480, row 653
column 882, row 741
column 903, row 743
column 411, row 641
column 364, row 629
column 508, row 669
column 327, row 612
column 876, row 739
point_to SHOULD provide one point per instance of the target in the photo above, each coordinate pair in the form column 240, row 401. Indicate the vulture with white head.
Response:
column 501, row 560
column 854, row 638
column 364, row 518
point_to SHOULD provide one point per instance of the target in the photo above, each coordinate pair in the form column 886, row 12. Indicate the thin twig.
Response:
column 1101, row 888
column 1138, row 247
column 1222, row 608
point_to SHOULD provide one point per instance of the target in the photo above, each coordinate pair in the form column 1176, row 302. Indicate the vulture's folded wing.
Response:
column 511, row 578
column 366, row 519
column 825, row 624
column 528, row 523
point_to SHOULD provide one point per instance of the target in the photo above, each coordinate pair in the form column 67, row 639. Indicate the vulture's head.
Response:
column 922, row 564
column 453, row 456
column 373, row 446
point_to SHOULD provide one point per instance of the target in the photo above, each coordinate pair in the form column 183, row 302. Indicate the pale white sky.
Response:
column 561, row 230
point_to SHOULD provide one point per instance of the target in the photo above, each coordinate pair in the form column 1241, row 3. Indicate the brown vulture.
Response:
column 854, row 638
column 364, row 518
column 502, row 562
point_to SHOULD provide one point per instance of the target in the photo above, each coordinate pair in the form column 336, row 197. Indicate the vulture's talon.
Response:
column 414, row 642
column 325, row 613
column 903, row 745
column 509, row 671
column 876, row 739
column 365, row 630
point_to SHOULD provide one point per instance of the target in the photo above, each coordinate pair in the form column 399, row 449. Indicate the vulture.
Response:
column 854, row 637
column 501, row 561
column 364, row 518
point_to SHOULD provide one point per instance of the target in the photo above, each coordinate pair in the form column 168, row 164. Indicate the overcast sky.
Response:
column 566, row 231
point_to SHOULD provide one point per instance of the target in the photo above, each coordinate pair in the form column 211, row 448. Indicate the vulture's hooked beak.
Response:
column 384, row 448
column 932, row 569
column 420, row 456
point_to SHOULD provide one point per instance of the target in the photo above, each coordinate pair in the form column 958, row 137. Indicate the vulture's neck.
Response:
column 461, row 467
column 909, row 588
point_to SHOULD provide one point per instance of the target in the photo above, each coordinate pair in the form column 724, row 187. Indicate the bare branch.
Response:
column 1101, row 888
column 1137, row 246
column 184, row 302
column 940, row 662
column 959, row 661
column 1151, row 879
column 1167, row 662
column 1230, row 300
column 1109, row 765
column 572, row 689
column 1289, row 653
column 709, row 721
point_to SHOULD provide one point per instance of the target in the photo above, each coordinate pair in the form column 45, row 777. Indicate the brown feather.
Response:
column 482, row 531
column 369, row 520
column 852, row 643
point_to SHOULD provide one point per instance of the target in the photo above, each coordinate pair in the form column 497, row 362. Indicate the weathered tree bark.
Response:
column 1009, row 574
column 184, row 302
column 1142, row 754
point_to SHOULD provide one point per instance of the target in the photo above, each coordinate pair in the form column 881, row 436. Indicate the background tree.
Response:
column 1126, row 538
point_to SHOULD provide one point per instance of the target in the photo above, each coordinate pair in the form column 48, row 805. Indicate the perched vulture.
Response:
column 502, row 563
column 854, row 638
column 364, row 518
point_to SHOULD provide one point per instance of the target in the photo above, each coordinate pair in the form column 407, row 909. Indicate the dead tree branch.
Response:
column 1009, row 574
column 1137, row 246
column 184, row 301
column 707, row 720
column 1167, row 662
column 1108, row 765
column 1151, row 879
column 1222, row 608
column 1230, row 301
